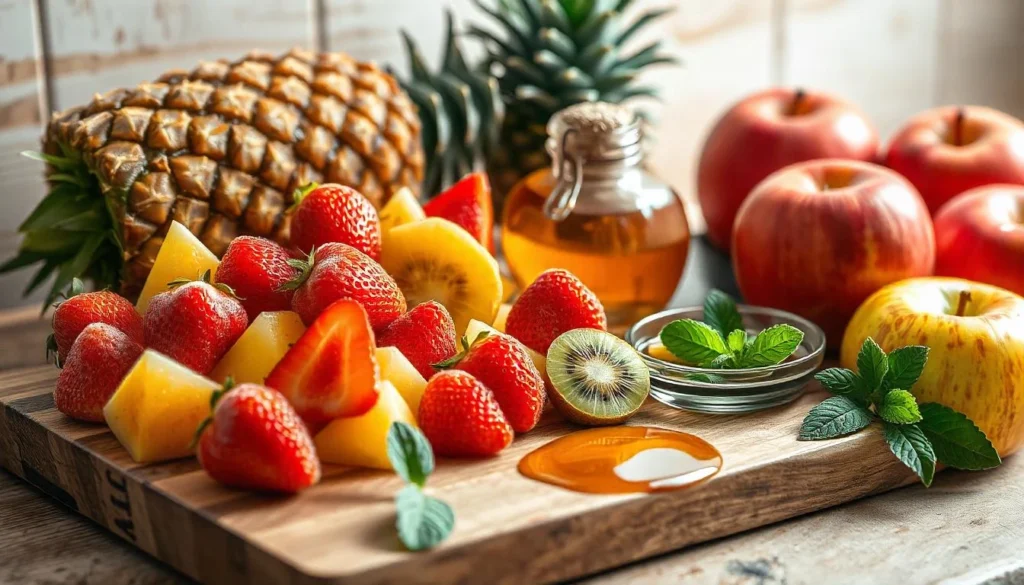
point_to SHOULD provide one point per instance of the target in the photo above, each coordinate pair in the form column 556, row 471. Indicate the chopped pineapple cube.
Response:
column 362, row 440
column 258, row 350
column 181, row 255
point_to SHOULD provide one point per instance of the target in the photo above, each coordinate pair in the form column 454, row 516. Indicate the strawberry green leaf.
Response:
column 834, row 417
column 772, row 346
column 912, row 447
column 410, row 453
column 692, row 341
column 872, row 364
column 906, row 365
column 423, row 522
column 721, row 314
column 957, row 441
column 899, row 407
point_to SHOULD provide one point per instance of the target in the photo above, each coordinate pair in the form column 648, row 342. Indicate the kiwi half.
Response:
column 596, row 378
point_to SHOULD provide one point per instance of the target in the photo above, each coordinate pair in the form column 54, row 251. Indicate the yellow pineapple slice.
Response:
column 475, row 328
column 181, row 255
column 401, row 209
column 435, row 259
column 502, row 317
column 157, row 408
column 395, row 368
column 509, row 288
column 258, row 350
column 362, row 440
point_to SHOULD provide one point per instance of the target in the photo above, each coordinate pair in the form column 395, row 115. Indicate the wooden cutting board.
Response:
column 509, row 529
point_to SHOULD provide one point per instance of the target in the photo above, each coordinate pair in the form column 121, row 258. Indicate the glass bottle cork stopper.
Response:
column 590, row 132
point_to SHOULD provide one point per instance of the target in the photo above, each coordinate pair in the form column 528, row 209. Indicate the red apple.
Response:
column 766, row 132
column 979, row 235
column 817, row 238
column 946, row 151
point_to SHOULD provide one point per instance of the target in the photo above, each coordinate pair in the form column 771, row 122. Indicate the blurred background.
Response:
column 893, row 58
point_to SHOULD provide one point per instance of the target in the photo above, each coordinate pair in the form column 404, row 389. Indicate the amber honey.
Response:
column 617, row 460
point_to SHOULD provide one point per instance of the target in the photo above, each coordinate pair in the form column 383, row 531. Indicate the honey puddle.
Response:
column 618, row 460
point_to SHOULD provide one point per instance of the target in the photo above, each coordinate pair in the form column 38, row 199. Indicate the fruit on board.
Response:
column 504, row 365
column 221, row 149
column 475, row 328
column 396, row 369
column 331, row 370
column 596, row 378
column 338, row 271
column 461, row 418
column 181, row 255
column 502, row 317
column 467, row 204
column 403, row 208
column 554, row 303
column 260, row 348
column 425, row 335
column 195, row 323
column 765, row 132
column 362, row 440
column 82, row 309
column 254, row 440
column 979, row 235
column 256, row 268
column 334, row 213
column 98, row 361
column 976, row 335
column 436, row 260
column 946, row 151
column 851, row 228
column 157, row 408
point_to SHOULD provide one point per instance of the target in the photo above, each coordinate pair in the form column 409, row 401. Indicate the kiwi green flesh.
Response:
column 596, row 378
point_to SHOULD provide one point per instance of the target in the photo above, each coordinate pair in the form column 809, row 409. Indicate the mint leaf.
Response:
column 721, row 314
column 772, row 346
column 423, row 521
column 706, row 378
column 872, row 364
column 843, row 382
column 736, row 341
column 906, row 365
column 834, row 417
column 957, row 441
column 910, row 446
column 410, row 453
column 692, row 341
column 721, row 362
column 899, row 407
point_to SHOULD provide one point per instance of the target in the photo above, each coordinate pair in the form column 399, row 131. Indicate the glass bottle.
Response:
column 599, row 214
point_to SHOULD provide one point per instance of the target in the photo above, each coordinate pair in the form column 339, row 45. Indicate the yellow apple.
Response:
column 976, row 335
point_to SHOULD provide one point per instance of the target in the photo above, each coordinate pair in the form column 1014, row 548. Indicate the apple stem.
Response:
column 961, row 307
column 798, row 98
column 958, row 127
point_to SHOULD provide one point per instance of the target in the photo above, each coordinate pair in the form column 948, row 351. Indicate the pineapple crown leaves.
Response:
column 305, row 267
column 228, row 386
column 207, row 277
column 458, row 357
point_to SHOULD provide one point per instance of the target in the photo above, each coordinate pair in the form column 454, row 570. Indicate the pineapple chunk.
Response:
column 362, row 440
column 477, row 327
column 401, row 209
column 181, row 255
column 502, row 317
column 395, row 368
column 157, row 408
column 258, row 350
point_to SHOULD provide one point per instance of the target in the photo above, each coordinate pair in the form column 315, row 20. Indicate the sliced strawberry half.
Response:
column 468, row 204
column 331, row 370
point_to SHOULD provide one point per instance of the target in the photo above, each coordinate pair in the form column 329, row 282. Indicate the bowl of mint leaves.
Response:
column 724, row 357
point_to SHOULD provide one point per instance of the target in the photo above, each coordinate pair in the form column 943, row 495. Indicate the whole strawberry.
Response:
column 339, row 271
column 461, row 418
column 554, row 303
column 255, row 441
column 425, row 336
column 256, row 268
column 195, row 323
column 504, row 365
column 468, row 204
column 98, row 361
column 83, row 309
column 335, row 213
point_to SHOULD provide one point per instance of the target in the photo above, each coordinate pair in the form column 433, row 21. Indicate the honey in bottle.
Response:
column 599, row 214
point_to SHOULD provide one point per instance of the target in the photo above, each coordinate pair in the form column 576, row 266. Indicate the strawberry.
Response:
column 339, row 271
column 554, row 303
column 256, row 268
column 195, row 322
column 504, row 365
column 461, row 418
column 331, row 371
column 254, row 440
column 83, row 309
column 468, row 204
column 425, row 336
column 335, row 213
column 98, row 361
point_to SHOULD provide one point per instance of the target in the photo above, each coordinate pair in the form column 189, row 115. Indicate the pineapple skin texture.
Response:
column 221, row 148
column 362, row 440
column 395, row 368
column 257, row 351
column 182, row 255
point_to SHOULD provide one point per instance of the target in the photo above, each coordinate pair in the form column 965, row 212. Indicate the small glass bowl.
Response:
column 730, row 391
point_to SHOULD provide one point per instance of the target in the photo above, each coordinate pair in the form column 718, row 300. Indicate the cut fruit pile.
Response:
column 329, row 348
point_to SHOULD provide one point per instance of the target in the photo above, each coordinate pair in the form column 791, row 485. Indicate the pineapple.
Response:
column 395, row 368
column 362, row 440
column 181, row 255
column 220, row 149
column 258, row 350
column 403, row 208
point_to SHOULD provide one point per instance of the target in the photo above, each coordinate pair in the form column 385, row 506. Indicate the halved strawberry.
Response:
column 468, row 204
column 331, row 370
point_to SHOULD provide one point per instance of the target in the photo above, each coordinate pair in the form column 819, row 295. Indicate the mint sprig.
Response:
column 422, row 521
column 918, row 434
column 721, row 342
